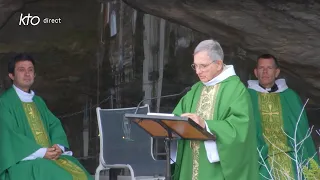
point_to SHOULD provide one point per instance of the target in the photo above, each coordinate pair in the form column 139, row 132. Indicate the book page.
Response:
column 160, row 114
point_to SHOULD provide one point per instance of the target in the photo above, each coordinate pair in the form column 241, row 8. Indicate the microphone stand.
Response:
column 168, row 139
column 126, row 124
column 166, row 96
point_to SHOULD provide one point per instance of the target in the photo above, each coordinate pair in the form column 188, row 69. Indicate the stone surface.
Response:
column 287, row 29
column 8, row 8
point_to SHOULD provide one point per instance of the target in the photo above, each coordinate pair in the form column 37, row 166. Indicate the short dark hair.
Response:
column 268, row 56
column 19, row 57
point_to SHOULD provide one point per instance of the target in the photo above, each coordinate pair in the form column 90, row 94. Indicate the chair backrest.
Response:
column 114, row 149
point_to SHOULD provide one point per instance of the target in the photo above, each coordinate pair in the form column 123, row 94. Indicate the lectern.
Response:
column 170, row 127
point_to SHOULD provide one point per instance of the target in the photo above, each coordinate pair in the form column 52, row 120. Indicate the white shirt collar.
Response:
column 24, row 96
column 281, row 83
column 228, row 71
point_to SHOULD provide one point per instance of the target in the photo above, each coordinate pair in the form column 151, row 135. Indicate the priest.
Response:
column 277, row 110
column 33, row 143
column 219, row 103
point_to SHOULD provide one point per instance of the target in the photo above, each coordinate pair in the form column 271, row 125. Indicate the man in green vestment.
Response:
column 276, row 111
column 33, row 143
column 220, row 103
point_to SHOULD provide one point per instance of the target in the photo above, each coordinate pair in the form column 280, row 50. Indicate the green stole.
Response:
column 205, row 109
column 41, row 137
column 273, row 130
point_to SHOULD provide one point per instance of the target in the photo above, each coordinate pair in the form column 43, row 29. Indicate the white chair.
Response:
column 116, row 152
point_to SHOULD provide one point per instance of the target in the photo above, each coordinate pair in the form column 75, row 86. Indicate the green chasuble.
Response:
column 25, row 128
column 276, row 116
column 226, row 108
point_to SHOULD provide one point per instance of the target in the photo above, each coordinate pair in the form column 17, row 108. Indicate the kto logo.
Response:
column 26, row 20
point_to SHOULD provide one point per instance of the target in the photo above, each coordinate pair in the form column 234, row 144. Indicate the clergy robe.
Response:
column 25, row 128
column 276, row 114
column 226, row 108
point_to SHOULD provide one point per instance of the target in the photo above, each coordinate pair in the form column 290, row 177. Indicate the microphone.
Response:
column 126, row 124
column 166, row 96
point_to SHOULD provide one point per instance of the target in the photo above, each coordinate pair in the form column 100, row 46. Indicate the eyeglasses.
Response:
column 200, row 66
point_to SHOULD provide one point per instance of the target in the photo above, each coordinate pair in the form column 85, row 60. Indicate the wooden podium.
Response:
column 169, row 128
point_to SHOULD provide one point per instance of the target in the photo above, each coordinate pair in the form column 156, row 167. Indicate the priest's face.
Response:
column 23, row 76
column 266, row 72
column 205, row 68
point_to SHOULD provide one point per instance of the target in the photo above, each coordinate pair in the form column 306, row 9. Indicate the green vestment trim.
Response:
column 276, row 116
column 36, row 125
column 205, row 110
column 276, row 139
column 41, row 137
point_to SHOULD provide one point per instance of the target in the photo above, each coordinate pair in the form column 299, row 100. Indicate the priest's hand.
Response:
column 58, row 150
column 195, row 118
column 50, row 154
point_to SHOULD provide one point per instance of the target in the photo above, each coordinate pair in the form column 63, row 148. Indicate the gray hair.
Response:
column 213, row 49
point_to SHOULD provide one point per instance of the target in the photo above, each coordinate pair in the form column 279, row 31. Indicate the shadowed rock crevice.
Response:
column 8, row 8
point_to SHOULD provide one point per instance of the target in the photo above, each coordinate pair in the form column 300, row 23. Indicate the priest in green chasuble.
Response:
column 33, row 143
column 221, row 104
column 276, row 111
